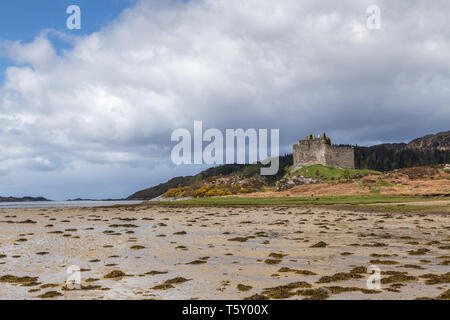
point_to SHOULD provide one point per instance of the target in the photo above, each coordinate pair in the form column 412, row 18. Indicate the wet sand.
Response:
column 222, row 253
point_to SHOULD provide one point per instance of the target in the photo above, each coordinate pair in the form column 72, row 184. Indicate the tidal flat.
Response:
column 241, row 252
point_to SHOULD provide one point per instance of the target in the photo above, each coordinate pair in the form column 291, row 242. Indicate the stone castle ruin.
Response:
column 320, row 151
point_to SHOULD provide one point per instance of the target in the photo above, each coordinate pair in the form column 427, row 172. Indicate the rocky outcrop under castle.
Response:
column 287, row 183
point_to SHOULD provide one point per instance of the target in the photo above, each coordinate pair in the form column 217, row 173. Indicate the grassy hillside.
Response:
column 329, row 174
column 426, row 151
column 247, row 170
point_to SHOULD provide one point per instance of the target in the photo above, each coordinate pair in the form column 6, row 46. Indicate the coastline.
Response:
column 214, row 252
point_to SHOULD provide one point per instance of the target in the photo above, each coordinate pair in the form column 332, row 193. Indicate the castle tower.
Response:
column 320, row 151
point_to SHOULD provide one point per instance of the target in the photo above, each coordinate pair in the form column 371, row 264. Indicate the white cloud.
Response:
column 301, row 66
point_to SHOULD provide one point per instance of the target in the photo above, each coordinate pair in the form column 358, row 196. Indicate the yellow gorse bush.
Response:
column 175, row 192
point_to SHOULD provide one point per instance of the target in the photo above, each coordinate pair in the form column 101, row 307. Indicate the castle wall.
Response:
column 342, row 157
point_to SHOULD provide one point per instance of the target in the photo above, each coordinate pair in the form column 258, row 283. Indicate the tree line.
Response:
column 386, row 158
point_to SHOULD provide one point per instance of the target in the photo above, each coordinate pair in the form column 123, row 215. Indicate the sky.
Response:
column 89, row 113
column 25, row 19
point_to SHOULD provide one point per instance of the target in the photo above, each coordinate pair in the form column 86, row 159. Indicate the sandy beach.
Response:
column 277, row 252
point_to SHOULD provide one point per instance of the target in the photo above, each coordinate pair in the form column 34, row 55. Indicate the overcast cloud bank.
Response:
column 96, row 120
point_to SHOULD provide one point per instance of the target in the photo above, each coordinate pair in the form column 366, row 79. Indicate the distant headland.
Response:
column 22, row 199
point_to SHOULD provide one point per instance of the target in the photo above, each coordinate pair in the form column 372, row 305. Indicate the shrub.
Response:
column 176, row 192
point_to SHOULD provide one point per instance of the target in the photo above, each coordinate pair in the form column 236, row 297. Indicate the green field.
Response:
column 325, row 200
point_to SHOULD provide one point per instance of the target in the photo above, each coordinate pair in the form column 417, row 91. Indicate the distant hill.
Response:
column 431, row 142
column 429, row 150
column 23, row 199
